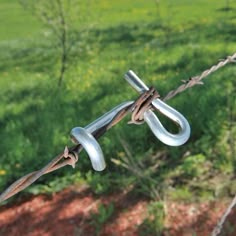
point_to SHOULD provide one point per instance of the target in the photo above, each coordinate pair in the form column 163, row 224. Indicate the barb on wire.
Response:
column 197, row 80
column 25, row 181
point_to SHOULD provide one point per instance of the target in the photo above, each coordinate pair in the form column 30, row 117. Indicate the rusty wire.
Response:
column 197, row 80
column 70, row 155
column 70, row 159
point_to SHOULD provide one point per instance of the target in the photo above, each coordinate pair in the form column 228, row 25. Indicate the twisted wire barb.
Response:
column 197, row 80
column 27, row 180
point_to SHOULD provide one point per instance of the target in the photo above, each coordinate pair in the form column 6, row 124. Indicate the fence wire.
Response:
column 197, row 80
column 70, row 155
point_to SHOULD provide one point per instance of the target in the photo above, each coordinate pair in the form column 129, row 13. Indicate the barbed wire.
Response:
column 28, row 179
column 70, row 155
column 197, row 80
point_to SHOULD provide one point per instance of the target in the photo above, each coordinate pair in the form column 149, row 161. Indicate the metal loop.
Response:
column 85, row 138
column 91, row 146
column 154, row 123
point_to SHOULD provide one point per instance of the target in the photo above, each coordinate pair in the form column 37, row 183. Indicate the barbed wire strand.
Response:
column 197, row 80
column 30, row 178
column 70, row 155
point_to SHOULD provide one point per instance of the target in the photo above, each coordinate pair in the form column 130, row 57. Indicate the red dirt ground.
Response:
column 69, row 213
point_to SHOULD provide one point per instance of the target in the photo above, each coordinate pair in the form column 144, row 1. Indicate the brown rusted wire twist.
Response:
column 143, row 103
column 71, row 158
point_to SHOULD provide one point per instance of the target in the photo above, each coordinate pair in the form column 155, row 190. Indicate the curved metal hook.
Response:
column 85, row 138
column 91, row 146
column 154, row 123
column 159, row 130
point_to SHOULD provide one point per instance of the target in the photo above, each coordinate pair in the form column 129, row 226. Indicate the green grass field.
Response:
column 164, row 44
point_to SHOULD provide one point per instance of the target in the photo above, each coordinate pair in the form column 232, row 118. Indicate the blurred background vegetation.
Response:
column 44, row 95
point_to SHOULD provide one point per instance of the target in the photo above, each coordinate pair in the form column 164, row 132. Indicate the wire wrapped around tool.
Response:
column 70, row 155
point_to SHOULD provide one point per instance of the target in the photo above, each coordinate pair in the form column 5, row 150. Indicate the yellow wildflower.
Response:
column 2, row 172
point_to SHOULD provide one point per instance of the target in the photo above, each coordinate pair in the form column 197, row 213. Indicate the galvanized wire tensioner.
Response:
column 85, row 138
column 140, row 106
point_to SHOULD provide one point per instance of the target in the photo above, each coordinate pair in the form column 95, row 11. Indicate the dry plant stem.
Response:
column 217, row 230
